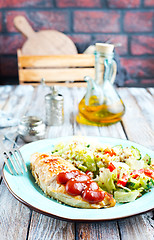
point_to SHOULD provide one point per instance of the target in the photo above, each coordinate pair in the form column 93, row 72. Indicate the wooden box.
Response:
column 66, row 70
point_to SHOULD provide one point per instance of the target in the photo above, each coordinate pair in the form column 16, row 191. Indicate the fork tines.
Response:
column 14, row 160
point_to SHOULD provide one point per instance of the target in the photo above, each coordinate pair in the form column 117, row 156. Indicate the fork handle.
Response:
column 2, row 147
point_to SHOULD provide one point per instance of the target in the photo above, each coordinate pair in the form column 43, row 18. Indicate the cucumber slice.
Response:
column 133, row 184
column 82, row 168
column 136, row 153
column 147, row 159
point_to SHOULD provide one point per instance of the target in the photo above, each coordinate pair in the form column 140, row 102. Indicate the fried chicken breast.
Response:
column 45, row 169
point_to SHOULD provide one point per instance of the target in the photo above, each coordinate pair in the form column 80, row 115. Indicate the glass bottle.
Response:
column 101, row 104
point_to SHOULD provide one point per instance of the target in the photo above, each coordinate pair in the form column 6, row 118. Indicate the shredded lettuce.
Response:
column 123, row 196
column 96, row 157
column 106, row 180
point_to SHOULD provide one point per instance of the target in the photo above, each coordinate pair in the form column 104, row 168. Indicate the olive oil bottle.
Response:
column 101, row 104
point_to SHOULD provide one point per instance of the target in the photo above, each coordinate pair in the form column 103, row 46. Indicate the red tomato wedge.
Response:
column 123, row 180
column 111, row 152
column 111, row 167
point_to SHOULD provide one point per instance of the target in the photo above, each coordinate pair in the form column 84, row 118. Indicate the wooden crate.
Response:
column 65, row 70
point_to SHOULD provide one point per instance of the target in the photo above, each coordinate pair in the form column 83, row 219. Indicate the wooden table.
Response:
column 19, row 222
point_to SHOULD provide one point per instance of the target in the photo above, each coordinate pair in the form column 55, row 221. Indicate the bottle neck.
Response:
column 103, row 67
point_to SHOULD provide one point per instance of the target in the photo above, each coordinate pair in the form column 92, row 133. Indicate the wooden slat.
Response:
column 43, row 227
column 17, row 101
column 14, row 216
column 134, row 122
column 144, row 99
column 103, row 230
column 79, row 60
column 136, row 228
column 129, row 228
column 62, row 84
column 5, row 92
column 151, row 90
column 99, row 231
column 75, row 74
column 15, row 219
column 55, row 68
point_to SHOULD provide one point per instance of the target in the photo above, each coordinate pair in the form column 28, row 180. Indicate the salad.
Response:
column 121, row 171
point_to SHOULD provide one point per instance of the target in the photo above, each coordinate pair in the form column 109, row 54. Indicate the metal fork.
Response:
column 12, row 158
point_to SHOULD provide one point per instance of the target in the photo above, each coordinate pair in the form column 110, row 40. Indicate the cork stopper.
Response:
column 104, row 48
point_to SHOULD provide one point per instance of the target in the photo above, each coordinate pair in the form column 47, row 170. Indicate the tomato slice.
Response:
column 63, row 177
column 92, row 185
column 44, row 156
column 137, row 173
column 111, row 152
column 123, row 180
column 111, row 167
column 149, row 172
column 93, row 196
column 74, row 188
column 78, row 183
column 82, row 178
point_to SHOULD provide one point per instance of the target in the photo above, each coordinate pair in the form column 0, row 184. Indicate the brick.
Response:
column 80, row 38
column 138, row 21
column 123, row 39
column 96, row 21
column 21, row 3
column 10, row 44
column 10, row 15
column 142, row 45
column 130, row 82
column 0, row 21
column 79, row 3
column 82, row 41
column 40, row 20
column 138, row 67
column 123, row 4
column 8, row 66
column 149, row 3
column 148, row 82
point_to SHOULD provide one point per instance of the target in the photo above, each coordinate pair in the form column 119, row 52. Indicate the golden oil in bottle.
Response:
column 101, row 104
column 100, row 115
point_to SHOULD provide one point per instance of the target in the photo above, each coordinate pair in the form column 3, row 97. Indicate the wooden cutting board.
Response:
column 45, row 42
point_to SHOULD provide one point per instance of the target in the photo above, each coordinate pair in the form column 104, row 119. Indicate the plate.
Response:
column 24, row 188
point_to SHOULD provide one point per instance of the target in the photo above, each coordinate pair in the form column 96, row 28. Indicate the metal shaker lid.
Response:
column 54, row 95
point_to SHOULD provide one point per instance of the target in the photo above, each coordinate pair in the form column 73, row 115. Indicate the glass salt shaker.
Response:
column 31, row 128
column 54, row 105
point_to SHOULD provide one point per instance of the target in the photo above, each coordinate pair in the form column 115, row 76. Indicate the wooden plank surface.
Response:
column 32, row 225
column 117, row 132
column 78, row 60
column 61, row 84
column 43, row 227
column 14, row 216
column 145, row 102
column 99, row 231
column 135, row 119
column 52, row 75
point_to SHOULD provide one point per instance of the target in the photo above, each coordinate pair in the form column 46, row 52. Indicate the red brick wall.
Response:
column 130, row 22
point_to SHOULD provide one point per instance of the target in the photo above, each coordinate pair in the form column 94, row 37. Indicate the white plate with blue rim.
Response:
column 24, row 188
